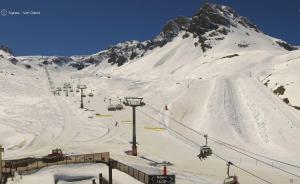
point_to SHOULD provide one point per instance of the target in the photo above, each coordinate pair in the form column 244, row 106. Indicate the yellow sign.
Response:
column 104, row 115
column 155, row 128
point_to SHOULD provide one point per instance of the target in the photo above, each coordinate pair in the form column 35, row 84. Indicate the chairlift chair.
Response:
column 205, row 150
column 111, row 108
column 119, row 107
column 230, row 179
column 90, row 95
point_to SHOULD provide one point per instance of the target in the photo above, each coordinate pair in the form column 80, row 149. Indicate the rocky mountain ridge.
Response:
column 211, row 22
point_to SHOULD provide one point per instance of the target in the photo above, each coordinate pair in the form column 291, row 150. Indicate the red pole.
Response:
column 165, row 170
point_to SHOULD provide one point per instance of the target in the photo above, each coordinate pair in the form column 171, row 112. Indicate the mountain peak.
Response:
column 213, row 16
column 174, row 26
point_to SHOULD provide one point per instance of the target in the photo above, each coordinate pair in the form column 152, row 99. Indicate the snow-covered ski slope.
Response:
column 227, row 92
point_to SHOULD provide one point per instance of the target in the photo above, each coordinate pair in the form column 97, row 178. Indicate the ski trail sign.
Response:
column 161, row 179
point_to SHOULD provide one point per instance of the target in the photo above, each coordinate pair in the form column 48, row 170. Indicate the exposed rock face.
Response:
column 61, row 60
column 279, row 91
column 212, row 17
column 13, row 60
column 28, row 66
column 217, row 18
column 207, row 19
column 121, row 53
column 78, row 65
column 173, row 27
column 286, row 46
column 6, row 49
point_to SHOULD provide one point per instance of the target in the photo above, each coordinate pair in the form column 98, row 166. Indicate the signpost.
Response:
column 161, row 179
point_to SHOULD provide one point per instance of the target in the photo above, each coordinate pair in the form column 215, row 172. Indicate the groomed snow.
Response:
column 223, row 97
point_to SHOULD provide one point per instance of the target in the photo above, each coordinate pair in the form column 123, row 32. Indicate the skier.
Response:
column 116, row 124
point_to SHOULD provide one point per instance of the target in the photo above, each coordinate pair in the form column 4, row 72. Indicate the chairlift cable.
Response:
column 227, row 144
column 244, row 170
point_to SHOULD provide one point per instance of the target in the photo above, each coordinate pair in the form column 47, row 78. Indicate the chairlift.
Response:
column 230, row 179
column 205, row 150
column 119, row 106
column 91, row 94
column 111, row 108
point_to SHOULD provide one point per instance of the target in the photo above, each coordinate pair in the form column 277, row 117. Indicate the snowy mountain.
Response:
column 211, row 26
column 215, row 73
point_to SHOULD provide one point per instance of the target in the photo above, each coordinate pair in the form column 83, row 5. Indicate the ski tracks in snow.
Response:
column 242, row 110
column 223, row 111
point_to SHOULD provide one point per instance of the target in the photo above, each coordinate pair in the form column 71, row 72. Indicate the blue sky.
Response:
column 71, row 27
